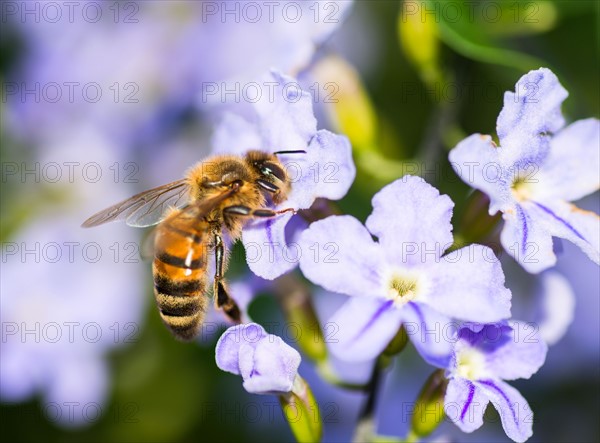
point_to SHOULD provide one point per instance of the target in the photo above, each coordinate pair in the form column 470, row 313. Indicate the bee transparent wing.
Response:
column 147, row 245
column 146, row 208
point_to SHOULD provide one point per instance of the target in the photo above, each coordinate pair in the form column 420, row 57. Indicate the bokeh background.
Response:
column 101, row 100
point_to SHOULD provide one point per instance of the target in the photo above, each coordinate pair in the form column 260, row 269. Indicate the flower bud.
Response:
column 266, row 363
column 429, row 409
column 418, row 34
column 302, row 412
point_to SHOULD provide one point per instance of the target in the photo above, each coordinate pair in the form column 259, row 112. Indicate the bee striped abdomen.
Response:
column 179, row 271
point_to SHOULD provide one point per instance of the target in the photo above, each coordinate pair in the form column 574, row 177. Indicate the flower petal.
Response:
column 339, row 254
column 465, row 404
column 235, row 135
column 410, row 213
column 529, row 116
column 274, row 368
column 326, row 170
column 519, row 357
column 474, row 276
column 432, row 333
column 515, row 413
column 228, row 347
column 567, row 221
column 555, row 306
column 526, row 240
column 570, row 171
column 363, row 328
column 268, row 253
column 286, row 116
column 245, row 359
column 477, row 162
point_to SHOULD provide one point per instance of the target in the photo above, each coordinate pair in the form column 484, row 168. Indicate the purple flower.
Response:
column 282, row 119
column 265, row 362
column 539, row 168
column 483, row 357
column 402, row 277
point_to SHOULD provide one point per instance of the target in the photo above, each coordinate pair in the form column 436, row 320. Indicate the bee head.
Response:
column 272, row 176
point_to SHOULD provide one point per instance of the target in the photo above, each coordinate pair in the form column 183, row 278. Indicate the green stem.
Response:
column 487, row 54
column 327, row 373
column 365, row 428
column 411, row 437
column 476, row 224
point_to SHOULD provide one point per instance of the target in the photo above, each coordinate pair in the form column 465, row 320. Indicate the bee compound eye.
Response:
column 275, row 171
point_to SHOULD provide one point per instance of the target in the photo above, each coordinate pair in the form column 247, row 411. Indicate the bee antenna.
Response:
column 299, row 151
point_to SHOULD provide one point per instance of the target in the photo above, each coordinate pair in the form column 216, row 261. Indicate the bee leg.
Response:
column 245, row 211
column 222, row 298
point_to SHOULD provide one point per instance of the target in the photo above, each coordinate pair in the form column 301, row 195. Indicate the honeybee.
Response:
column 217, row 197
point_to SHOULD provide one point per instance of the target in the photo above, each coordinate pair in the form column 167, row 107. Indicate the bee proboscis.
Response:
column 217, row 197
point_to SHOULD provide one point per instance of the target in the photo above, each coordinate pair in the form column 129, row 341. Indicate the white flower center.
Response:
column 402, row 287
column 522, row 188
column 470, row 364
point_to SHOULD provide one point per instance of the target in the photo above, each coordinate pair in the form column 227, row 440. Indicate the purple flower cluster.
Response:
column 402, row 270
column 404, row 278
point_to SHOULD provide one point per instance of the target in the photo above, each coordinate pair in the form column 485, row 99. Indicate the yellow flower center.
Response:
column 470, row 364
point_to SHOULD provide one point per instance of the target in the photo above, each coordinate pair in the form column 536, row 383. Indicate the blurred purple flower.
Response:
column 110, row 69
column 403, row 278
column 555, row 307
column 581, row 341
column 60, row 314
column 265, row 362
column 483, row 357
column 539, row 168
column 284, row 120
column 546, row 300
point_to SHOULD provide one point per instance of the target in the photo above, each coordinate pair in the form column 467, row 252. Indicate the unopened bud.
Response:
column 302, row 412
column 299, row 311
column 397, row 344
column 429, row 409
column 418, row 34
